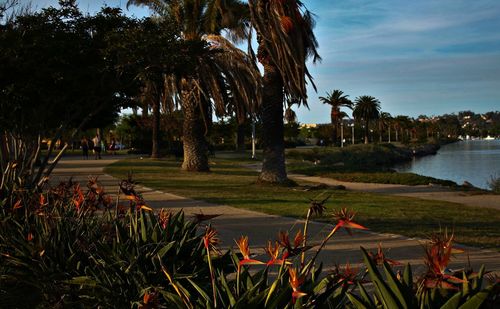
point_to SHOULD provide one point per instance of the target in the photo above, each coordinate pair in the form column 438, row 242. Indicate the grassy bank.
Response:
column 230, row 184
column 361, row 163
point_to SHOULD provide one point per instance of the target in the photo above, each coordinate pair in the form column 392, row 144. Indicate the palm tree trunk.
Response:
column 194, row 143
column 155, row 150
column 366, row 132
column 335, row 122
column 273, row 164
column 240, row 137
column 380, row 129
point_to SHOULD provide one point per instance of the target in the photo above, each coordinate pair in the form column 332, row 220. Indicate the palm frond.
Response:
column 286, row 36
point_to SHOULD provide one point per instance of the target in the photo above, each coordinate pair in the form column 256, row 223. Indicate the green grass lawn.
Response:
column 230, row 184
column 350, row 175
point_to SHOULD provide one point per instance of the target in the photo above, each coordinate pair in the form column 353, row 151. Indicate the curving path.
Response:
column 260, row 227
column 430, row 192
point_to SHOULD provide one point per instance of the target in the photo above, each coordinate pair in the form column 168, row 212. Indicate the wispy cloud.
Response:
column 439, row 56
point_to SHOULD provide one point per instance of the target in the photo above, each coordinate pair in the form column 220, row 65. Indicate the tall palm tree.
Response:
column 366, row 109
column 336, row 99
column 384, row 122
column 403, row 125
column 219, row 68
column 286, row 40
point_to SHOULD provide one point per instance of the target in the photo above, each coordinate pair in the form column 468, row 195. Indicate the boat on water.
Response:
column 489, row 138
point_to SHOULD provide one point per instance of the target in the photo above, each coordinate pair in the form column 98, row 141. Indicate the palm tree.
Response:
column 367, row 108
column 336, row 99
column 384, row 121
column 403, row 124
column 218, row 69
column 286, row 40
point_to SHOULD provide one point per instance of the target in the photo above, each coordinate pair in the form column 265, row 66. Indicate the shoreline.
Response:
column 428, row 192
column 470, row 164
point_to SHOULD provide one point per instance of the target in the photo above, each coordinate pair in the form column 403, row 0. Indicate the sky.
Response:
column 417, row 57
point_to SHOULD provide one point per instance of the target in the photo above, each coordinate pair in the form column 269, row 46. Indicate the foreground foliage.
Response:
column 69, row 247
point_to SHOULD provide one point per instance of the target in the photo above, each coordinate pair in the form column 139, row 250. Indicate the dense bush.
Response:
column 357, row 156
column 69, row 247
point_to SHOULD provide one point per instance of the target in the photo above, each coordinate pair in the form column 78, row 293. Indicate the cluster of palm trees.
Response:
column 227, row 79
column 365, row 110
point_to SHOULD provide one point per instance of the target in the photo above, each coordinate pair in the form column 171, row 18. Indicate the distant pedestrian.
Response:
column 85, row 147
column 97, row 146
column 112, row 146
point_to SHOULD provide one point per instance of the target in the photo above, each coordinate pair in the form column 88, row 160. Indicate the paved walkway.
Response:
column 261, row 227
column 431, row 192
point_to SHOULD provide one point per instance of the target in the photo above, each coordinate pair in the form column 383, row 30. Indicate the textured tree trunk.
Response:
column 380, row 128
column 195, row 145
column 335, row 122
column 273, row 164
column 155, row 150
column 240, row 137
column 145, row 110
column 366, row 132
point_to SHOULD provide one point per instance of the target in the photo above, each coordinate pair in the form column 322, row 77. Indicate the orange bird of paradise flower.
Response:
column 244, row 248
column 295, row 283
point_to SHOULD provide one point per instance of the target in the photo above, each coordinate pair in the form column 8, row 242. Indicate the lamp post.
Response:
column 253, row 139
column 342, row 134
column 352, row 136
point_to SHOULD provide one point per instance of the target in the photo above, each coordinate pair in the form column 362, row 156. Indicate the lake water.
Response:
column 473, row 161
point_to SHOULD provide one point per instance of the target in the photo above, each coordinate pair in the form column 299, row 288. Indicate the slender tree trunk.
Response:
column 155, row 150
column 380, row 129
column 333, row 116
column 366, row 132
column 273, row 164
column 194, row 143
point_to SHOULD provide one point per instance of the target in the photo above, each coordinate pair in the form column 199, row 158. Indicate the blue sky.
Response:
column 417, row 57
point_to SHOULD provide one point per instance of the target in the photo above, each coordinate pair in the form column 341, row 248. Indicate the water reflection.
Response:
column 472, row 161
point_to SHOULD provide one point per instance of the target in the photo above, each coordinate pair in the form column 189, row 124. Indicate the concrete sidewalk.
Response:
column 234, row 222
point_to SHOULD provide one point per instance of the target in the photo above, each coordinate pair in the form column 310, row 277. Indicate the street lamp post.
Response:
column 342, row 134
column 352, row 136
column 253, row 140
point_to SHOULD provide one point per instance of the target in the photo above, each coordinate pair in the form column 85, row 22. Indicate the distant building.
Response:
column 309, row 125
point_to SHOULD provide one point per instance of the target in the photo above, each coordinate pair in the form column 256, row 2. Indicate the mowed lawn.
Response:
column 231, row 184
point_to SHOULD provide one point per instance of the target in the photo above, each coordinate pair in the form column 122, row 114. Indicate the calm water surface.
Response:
column 472, row 161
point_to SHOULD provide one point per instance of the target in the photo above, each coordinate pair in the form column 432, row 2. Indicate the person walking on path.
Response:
column 112, row 147
column 97, row 146
column 85, row 148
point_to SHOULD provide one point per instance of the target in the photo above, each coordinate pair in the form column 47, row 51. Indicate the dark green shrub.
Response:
column 69, row 248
